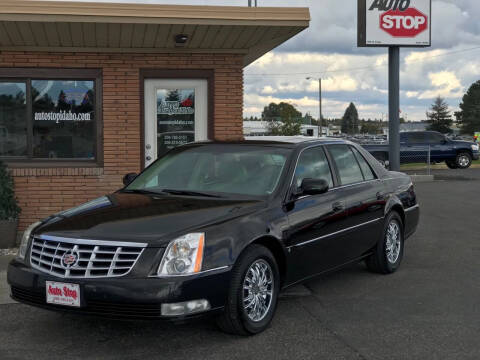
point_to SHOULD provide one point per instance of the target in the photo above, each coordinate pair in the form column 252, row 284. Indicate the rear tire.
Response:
column 464, row 160
column 238, row 318
column 388, row 253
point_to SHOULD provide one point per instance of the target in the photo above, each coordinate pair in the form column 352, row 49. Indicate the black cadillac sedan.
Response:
column 221, row 229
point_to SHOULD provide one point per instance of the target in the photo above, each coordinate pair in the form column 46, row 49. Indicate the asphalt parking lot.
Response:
column 430, row 309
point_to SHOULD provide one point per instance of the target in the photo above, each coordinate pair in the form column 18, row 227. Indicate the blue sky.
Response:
column 328, row 50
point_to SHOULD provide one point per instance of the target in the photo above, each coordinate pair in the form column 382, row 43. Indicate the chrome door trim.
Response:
column 335, row 233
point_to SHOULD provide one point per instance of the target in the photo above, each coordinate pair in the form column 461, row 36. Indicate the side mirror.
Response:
column 314, row 186
column 127, row 179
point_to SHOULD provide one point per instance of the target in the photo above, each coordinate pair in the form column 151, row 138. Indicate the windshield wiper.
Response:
column 189, row 193
column 143, row 191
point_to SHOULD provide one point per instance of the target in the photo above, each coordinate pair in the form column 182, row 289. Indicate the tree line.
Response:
column 285, row 119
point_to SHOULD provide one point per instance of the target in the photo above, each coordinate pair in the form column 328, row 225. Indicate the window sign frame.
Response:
column 28, row 76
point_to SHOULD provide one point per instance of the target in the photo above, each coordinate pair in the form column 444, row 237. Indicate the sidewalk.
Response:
column 4, row 288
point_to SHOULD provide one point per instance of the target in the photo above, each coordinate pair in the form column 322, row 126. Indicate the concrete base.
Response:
column 422, row 178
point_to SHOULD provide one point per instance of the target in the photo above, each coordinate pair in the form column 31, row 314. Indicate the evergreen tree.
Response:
column 9, row 209
column 469, row 114
column 440, row 118
column 350, row 120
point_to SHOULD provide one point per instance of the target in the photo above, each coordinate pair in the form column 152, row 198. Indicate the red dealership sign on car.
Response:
column 394, row 22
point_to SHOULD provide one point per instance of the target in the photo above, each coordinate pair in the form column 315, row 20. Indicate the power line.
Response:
column 364, row 67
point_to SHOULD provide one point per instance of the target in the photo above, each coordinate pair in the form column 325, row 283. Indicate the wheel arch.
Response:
column 396, row 205
column 277, row 249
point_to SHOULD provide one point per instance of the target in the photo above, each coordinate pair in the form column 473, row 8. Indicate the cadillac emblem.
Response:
column 70, row 259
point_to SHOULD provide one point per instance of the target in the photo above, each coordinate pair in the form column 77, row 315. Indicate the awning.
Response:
column 36, row 25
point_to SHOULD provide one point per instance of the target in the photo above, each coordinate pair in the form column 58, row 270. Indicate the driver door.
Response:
column 314, row 219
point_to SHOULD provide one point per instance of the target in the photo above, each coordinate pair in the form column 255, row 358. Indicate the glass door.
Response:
column 175, row 114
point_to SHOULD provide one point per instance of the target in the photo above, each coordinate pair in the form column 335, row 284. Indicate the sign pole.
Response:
column 320, row 121
column 394, row 107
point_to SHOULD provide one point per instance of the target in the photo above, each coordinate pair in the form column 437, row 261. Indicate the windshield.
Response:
column 216, row 168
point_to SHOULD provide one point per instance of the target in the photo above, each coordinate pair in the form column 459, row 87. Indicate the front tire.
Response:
column 253, row 293
column 464, row 160
column 451, row 164
column 388, row 253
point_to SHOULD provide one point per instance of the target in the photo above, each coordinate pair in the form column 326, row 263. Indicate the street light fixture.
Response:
column 319, row 105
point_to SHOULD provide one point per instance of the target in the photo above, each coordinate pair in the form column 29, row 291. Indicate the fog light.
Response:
column 185, row 308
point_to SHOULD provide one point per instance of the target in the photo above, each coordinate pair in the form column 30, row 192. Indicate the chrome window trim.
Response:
column 331, row 171
column 91, row 242
column 334, row 233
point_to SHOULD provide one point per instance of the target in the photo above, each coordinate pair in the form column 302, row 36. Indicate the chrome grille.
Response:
column 93, row 259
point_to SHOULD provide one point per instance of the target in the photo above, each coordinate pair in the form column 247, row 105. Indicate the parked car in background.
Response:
column 221, row 229
column 424, row 146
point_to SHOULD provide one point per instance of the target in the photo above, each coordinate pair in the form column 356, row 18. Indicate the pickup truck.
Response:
column 424, row 146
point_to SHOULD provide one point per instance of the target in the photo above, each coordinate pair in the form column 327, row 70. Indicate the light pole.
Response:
column 319, row 105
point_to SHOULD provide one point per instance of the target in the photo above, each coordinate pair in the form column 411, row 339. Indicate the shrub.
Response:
column 9, row 209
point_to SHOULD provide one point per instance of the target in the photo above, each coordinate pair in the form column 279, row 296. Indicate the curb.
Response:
column 8, row 252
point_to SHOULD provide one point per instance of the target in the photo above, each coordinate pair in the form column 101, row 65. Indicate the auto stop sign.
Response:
column 394, row 22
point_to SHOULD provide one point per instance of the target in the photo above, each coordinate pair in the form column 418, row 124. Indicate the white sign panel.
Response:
column 395, row 22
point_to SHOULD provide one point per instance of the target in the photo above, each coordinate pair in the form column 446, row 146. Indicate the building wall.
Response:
column 42, row 191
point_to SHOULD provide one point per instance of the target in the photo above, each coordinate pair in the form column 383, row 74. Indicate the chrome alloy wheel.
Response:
column 258, row 287
column 393, row 242
column 463, row 160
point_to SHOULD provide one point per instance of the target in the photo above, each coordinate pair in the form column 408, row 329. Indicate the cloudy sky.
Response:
column 328, row 50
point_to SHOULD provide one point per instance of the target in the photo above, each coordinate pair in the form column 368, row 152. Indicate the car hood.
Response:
column 154, row 219
column 462, row 143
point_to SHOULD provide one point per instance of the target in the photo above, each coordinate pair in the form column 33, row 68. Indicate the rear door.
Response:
column 314, row 237
column 365, row 198
column 417, row 148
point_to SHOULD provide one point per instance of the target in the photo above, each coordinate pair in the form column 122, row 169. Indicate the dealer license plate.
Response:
column 63, row 293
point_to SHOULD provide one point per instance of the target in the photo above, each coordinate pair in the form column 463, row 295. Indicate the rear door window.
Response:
column 349, row 171
column 366, row 170
column 417, row 138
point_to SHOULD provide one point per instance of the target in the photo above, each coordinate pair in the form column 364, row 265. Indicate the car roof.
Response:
column 292, row 140
column 282, row 141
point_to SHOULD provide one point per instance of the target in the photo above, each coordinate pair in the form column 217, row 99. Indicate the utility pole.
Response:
column 320, row 121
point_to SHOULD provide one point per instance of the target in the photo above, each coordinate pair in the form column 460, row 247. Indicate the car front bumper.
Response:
column 476, row 155
column 123, row 297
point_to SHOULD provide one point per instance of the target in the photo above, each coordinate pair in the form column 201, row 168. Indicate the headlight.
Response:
column 183, row 256
column 22, row 250
column 475, row 147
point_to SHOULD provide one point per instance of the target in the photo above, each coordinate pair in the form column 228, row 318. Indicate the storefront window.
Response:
column 50, row 117
column 176, row 118
column 63, row 119
column 13, row 119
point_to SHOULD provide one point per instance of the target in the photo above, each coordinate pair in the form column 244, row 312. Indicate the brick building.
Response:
column 92, row 91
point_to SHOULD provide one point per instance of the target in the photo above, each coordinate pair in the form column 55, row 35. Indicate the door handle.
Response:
column 148, row 158
column 380, row 195
column 338, row 206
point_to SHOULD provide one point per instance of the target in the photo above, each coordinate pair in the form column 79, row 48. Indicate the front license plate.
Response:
column 63, row 293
